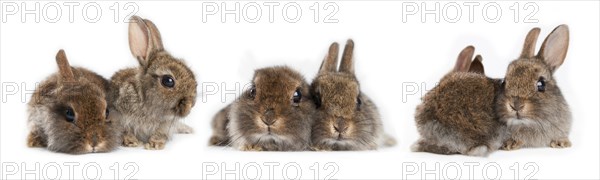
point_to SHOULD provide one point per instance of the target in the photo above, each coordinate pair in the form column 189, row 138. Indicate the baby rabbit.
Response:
column 273, row 115
column 219, row 124
column 457, row 116
column 68, row 112
column 346, row 119
column 150, row 99
column 531, row 103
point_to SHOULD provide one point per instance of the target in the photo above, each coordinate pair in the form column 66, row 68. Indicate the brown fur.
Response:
column 219, row 123
column 457, row 116
column 340, row 122
column 84, row 92
column 536, row 119
column 148, row 110
column 269, row 120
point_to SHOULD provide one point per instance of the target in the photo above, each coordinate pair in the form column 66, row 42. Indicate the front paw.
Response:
column 512, row 144
column 184, row 129
column 156, row 143
column 251, row 148
column 218, row 141
column 320, row 148
column 561, row 143
column 130, row 140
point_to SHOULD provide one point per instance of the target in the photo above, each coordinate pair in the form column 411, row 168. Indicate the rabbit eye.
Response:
column 541, row 85
column 107, row 113
column 297, row 96
column 358, row 102
column 70, row 115
column 167, row 81
column 252, row 92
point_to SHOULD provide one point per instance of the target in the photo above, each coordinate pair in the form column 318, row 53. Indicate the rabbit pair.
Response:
column 472, row 114
column 281, row 112
column 69, row 112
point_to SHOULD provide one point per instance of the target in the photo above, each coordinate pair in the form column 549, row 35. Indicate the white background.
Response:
column 388, row 53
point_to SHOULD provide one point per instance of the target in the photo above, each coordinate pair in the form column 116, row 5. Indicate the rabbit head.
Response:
column 531, row 93
column 168, row 83
column 345, row 119
column 76, row 114
column 274, row 113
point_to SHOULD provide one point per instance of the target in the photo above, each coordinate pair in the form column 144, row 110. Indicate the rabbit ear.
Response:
column 530, row 42
column 554, row 48
column 329, row 64
column 64, row 69
column 144, row 38
column 464, row 59
column 154, row 35
column 477, row 65
column 347, row 64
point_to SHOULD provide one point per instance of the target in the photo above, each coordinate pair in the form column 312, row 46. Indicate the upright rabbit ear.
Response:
column 464, row 59
column 64, row 69
column 347, row 64
column 477, row 65
column 530, row 42
column 554, row 48
column 329, row 64
column 154, row 35
column 144, row 38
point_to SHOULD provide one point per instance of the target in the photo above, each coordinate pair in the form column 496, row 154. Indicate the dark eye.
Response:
column 541, row 85
column 107, row 113
column 318, row 100
column 297, row 96
column 70, row 115
column 358, row 102
column 252, row 92
column 167, row 81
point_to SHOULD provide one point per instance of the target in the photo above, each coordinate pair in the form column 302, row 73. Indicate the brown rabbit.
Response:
column 151, row 99
column 68, row 112
column 345, row 119
column 219, row 124
column 457, row 116
column 531, row 103
column 273, row 115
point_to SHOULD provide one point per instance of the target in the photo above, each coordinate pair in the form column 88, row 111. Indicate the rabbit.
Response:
column 151, row 99
column 69, row 113
column 346, row 118
column 458, row 115
column 531, row 103
column 219, row 124
column 274, row 114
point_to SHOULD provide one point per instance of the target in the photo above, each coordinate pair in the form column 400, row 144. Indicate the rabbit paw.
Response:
column 129, row 140
column 561, row 143
column 480, row 151
column 251, row 148
column 320, row 148
column 218, row 141
column 156, row 143
column 512, row 144
column 184, row 129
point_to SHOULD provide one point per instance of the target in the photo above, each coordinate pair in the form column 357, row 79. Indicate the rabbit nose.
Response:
column 269, row 117
column 186, row 102
column 340, row 126
column 94, row 141
column 517, row 104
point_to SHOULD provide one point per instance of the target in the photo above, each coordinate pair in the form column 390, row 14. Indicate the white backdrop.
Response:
column 395, row 53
